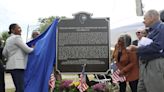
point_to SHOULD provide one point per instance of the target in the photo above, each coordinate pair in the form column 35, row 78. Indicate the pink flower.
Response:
column 99, row 87
column 65, row 84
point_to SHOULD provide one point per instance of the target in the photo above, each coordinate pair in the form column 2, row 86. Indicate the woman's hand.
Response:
column 33, row 46
column 121, row 73
column 132, row 48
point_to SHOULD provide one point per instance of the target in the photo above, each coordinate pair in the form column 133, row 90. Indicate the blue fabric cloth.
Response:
column 41, row 61
column 155, row 49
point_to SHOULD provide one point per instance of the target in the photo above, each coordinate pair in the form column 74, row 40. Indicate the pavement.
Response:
column 9, row 82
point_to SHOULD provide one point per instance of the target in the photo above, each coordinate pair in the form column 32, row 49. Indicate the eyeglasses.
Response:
column 140, row 32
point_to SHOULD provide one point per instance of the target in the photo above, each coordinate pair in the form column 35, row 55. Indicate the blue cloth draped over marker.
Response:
column 41, row 61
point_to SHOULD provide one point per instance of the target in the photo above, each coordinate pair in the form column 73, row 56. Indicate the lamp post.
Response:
column 29, row 28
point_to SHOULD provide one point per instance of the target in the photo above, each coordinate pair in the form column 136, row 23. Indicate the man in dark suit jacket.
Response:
column 135, row 42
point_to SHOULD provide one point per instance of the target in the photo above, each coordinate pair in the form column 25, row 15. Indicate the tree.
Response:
column 45, row 22
column 5, row 35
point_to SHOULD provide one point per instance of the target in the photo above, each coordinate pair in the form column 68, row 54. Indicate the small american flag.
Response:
column 116, row 78
column 83, row 85
column 52, row 81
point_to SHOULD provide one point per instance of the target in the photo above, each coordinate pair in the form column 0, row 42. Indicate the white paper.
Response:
column 144, row 41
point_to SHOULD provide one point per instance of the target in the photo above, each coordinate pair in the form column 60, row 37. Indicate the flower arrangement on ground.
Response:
column 100, row 87
column 72, row 86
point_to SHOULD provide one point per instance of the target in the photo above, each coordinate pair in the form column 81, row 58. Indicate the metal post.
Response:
column 83, row 72
column 139, row 6
column 27, row 33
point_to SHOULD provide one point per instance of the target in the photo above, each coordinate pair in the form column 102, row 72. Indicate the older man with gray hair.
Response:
column 35, row 34
column 151, row 56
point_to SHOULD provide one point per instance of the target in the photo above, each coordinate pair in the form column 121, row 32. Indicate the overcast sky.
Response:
column 27, row 12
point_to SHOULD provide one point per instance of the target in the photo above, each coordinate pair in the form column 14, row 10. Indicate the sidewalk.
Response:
column 9, row 82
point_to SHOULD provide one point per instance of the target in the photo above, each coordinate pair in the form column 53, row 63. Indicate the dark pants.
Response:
column 18, row 79
column 132, row 84
column 122, row 86
column 151, row 77
column 2, row 80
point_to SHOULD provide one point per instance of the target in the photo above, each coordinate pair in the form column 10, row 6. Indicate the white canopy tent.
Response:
column 129, row 27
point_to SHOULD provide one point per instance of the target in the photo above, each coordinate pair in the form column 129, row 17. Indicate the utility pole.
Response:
column 162, row 15
column 27, row 33
column 139, row 8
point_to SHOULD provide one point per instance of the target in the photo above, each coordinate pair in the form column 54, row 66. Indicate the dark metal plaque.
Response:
column 83, row 40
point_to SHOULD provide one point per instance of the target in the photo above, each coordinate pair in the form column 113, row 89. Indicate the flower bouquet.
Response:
column 72, row 86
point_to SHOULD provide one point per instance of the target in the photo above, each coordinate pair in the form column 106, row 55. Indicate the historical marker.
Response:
column 83, row 40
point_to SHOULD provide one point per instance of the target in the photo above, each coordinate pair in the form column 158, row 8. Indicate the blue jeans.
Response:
column 18, row 79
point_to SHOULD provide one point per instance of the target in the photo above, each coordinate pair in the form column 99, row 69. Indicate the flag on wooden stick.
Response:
column 83, row 85
column 116, row 78
column 52, row 81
